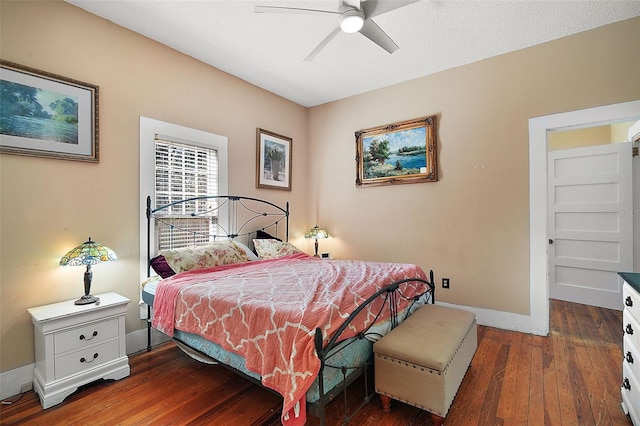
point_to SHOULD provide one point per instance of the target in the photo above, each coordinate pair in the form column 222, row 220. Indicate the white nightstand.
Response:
column 78, row 344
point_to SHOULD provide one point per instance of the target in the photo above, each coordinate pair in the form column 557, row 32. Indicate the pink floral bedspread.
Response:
column 267, row 311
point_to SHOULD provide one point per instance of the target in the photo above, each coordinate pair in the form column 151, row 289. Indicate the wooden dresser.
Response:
column 631, row 346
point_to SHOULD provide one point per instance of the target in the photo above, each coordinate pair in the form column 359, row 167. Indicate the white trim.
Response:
column 149, row 128
column 538, row 129
column 497, row 319
column 11, row 381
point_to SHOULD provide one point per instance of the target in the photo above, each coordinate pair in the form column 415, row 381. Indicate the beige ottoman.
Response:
column 423, row 361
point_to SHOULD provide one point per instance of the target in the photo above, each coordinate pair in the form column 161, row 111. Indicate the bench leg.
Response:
column 386, row 403
column 386, row 407
column 437, row 420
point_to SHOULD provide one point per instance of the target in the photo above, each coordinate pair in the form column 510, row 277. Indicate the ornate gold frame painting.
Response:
column 397, row 153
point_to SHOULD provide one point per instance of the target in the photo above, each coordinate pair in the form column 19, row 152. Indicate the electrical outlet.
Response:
column 445, row 283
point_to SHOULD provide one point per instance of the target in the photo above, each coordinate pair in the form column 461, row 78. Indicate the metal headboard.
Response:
column 232, row 217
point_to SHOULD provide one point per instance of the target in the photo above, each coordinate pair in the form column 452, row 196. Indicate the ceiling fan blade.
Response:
column 373, row 8
column 373, row 32
column 322, row 44
column 280, row 9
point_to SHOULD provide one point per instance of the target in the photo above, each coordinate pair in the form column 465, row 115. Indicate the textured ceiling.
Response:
column 268, row 50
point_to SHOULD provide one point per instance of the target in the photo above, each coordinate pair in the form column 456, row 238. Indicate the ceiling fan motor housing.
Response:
column 351, row 21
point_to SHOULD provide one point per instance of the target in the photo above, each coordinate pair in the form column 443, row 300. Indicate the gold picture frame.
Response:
column 398, row 153
column 47, row 115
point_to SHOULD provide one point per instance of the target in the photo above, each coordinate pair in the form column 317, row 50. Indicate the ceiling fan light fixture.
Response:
column 351, row 21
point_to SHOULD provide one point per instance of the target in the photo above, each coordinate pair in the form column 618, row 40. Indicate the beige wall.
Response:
column 471, row 226
column 598, row 135
column 49, row 206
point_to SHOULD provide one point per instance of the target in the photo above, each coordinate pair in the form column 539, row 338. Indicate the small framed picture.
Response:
column 273, row 167
column 47, row 115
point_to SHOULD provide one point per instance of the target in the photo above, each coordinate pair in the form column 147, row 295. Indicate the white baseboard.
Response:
column 12, row 381
column 137, row 340
column 499, row 319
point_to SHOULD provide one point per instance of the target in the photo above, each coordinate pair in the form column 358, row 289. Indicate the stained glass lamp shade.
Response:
column 317, row 233
column 88, row 253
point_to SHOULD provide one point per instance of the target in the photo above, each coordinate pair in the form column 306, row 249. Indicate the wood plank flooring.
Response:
column 571, row 377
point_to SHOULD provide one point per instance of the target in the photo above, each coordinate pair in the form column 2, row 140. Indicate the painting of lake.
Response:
column 395, row 154
column 35, row 113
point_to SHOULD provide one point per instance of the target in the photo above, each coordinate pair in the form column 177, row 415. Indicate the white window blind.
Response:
column 185, row 171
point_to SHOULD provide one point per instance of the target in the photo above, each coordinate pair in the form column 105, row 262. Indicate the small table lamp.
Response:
column 88, row 253
column 317, row 233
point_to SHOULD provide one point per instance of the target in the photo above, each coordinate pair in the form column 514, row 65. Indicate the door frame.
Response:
column 538, row 236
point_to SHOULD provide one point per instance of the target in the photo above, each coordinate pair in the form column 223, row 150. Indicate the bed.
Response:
column 229, row 288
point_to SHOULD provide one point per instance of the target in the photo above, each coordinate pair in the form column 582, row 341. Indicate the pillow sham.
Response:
column 204, row 256
column 250, row 255
column 271, row 248
column 162, row 268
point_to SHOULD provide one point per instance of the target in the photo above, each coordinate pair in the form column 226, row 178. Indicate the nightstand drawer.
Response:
column 84, row 359
column 84, row 336
column 631, row 301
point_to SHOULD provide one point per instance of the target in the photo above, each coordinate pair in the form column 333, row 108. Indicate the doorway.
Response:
column 539, row 128
column 590, row 239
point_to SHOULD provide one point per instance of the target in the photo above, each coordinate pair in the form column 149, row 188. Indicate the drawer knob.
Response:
column 83, row 359
column 629, row 357
column 628, row 301
column 626, row 384
column 82, row 337
column 629, row 329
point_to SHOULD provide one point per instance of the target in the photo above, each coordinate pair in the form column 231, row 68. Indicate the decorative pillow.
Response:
column 250, row 255
column 204, row 256
column 271, row 248
column 162, row 268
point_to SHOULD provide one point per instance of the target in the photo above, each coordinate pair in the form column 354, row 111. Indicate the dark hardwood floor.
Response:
column 571, row 377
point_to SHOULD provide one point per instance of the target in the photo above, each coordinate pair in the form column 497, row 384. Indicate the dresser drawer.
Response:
column 84, row 336
column 631, row 394
column 85, row 359
column 631, row 328
column 631, row 357
column 631, row 300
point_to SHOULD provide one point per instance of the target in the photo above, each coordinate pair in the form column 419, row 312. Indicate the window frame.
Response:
column 149, row 129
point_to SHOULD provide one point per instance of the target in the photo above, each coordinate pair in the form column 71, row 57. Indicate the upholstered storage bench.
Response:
column 423, row 361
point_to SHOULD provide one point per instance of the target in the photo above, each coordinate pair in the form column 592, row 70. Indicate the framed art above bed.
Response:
column 398, row 153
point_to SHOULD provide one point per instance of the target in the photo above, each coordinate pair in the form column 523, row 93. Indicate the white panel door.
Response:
column 590, row 223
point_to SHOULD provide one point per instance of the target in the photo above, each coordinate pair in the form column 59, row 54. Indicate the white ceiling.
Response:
column 268, row 50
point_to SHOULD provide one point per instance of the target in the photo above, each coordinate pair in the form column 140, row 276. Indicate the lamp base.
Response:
column 86, row 299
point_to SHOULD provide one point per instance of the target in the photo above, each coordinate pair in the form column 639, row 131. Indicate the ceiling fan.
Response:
column 353, row 16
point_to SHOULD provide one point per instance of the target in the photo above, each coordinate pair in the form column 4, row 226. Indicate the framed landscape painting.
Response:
column 46, row 115
column 273, row 168
column 398, row 153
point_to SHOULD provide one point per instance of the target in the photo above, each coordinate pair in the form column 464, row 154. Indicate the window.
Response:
column 177, row 162
column 185, row 171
